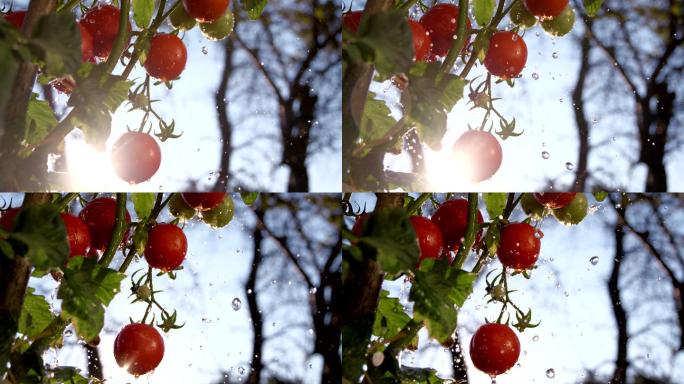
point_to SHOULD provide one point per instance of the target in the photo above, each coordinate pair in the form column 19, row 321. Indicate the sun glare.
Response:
column 89, row 168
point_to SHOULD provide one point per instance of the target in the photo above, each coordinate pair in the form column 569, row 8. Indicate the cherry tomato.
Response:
column 560, row 25
column 102, row 22
column 220, row 215
column 86, row 44
column 546, row 8
column 351, row 20
column 203, row 201
column 574, row 212
column 167, row 57
column 139, row 348
column 78, row 235
column 136, row 157
column 421, row 41
column 7, row 218
column 179, row 19
column 357, row 228
column 519, row 246
column 478, row 155
column 494, row 348
column 507, row 55
column 554, row 200
column 520, row 16
column 531, row 207
column 100, row 217
column 441, row 21
column 429, row 236
column 205, row 10
column 452, row 219
column 220, row 28
column 64, row 85
column 180, row 209
column 16, row 18
column 166, row 247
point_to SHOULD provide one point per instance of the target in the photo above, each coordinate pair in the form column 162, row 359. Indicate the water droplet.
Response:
column 594, row 260
column 205, row 50
column 554, row 55
column 535, row 76
column 236, row 304
column 545, row 155
column 569, row 166
column 535, row 338
column 378, row 358
column 550, row 373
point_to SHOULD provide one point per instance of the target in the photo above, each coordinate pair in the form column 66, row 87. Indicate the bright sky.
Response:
column 568, row 294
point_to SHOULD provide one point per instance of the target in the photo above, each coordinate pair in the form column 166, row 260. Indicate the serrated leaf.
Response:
column 39, row 234
column 496, row 203
column 249, row 197
column 411, row 375
column 483, row 10
column 390, row 317
column 56, row 42
column 593, row 6
column 391, row 234
column 142, row 12
column 254, row 8
column 35, row 314
column 39, row 120
column 143, row 203
column 117, row 94
column 63, row 374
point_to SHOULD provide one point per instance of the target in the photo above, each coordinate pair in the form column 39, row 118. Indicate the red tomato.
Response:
column 136, row 157
column 203, row 201
column 16, row 18
column 166, row 247
column 7, row 218
column 102, row 22
column 546, row 8
column 86, row 44
column 351, row 20
column 205, row 11
column 478, row 155
column 166, row 57
column 519, row 246
column 494, row 349
column 421, row 41
column 78, row 235
column 357, row 229
column 507, row 55
column 429, row 237
column 139, row 348
column 441, row 21
column 554, row 200
column 452, row 219
column 100, row 217
column 64, row 85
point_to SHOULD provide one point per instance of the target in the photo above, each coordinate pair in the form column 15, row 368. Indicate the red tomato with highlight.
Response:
column 507, row 55
column 351, row 20
column 166, row 247
column 205, row 11
column 7, row 218
column 87, row 53
column 78, row 235
column 102, row 22
column 429, row 237
column 519, row 246
column 441, row 21
column 139, row 348
column 545, row 8
column 494, row 348
column 16, row 18
column 421, row 41
column 167, row 57
column 136, row 157
column 554, row 200
column 203, row 201
column 452, row 219
column 478, row 155
column 100, row 217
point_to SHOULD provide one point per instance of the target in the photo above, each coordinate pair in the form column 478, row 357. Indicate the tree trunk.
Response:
column 654, row 129
column 326, row 318
column 225, row 125
column 298, row 115
column 581, row 170
column 254, row 312
column 621, row 361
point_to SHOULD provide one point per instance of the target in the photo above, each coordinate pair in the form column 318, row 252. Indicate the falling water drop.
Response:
column 236, row 304
column 594, row 260
column 545, row 155
column 550, row 373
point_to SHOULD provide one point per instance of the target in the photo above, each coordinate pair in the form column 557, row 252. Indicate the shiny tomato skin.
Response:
column 554, row 200
column 351, row 20
column 7, row 218
column 452, row 219
column 203, row 201
column 139, row 348
column 478, row 155
column 102, row 21
column 78, row 235
column 519, row 246
column 136, row 157
column 167, row 57
column 166, row 247
column 100, row 217
column 421, row 41
column 494, row 348
column 507, row 55
column 545, row 8
column 429, row 237
column 441, row 21
column 205, row 11
column 16, row 18
column 357, row 228
column 87, row 49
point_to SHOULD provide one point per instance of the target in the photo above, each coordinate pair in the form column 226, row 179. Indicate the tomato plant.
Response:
column 494, row 348
column 440, row 22
column 478, row 155
column 545, row 8
column 429, row 237
column 166, row 247
column 452, row 218
column 519, row 246
column 507, row 55
column 78, row 234
column 554, row 200
column 203, row 201
column 136, row 157
column 100, row 217
column 102, row 22
column 139, row 348
column 166, row 57
column 220, row 28
column 205, row 10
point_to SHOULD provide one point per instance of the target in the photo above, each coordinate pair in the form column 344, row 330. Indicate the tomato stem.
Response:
column 471, row 231
column 119, row 229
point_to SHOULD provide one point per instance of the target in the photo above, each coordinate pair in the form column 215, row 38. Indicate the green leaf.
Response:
column 437, row 291
column 143, row 203
column 496, row 203
column 593, row 6
column 249, row 197
column 39, row 234
column 254, row 8
column 376, row 121
column 8, row 72
column 390, row 232
column 390, row 317
column 35, row 314
column 410, row 375
column 71, row 375
column 39, row 120
column 85, row 291
column 142, row 12
column 56, row 42
column 600, row 196
column 483, row 10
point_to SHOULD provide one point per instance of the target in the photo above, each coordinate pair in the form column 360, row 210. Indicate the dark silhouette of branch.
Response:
column 458, row 365
column 621, row 361
column 94, row 363
column 225, row 125
column 253, row 305
column 581, row 120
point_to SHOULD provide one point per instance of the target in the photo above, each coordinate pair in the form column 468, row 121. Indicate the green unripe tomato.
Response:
column 220, row 28
column 560, row 25
column 179, row 208
column 575, row 212
column 180, row 19
column 520, row 16
column 531, row 207
column 220, row 215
